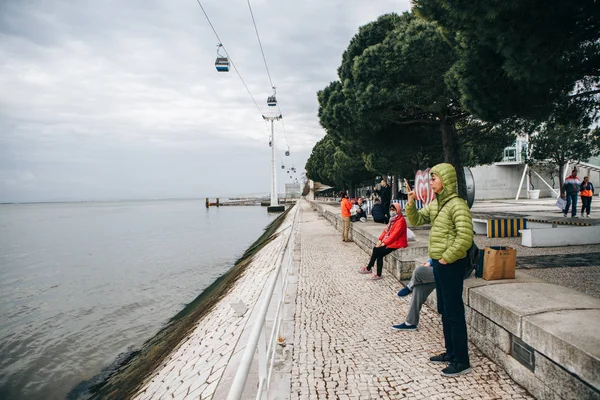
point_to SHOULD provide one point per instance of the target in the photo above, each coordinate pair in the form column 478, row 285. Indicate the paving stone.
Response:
column 343, row 331
column 194, row 368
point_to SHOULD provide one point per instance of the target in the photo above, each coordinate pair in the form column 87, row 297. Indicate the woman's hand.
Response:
column 411, row 197
column 379, row 244
column 443, row 262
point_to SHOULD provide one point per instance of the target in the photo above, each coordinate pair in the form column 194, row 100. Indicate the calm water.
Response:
column 81, row 283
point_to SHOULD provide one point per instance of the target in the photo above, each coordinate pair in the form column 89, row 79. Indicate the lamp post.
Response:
column 274, row 207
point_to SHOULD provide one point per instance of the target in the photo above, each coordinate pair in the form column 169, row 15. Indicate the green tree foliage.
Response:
column 419, row 150
column 525, row 58
column 337, row 165
column 563, row 143
column 393, row 99
column 319, row 167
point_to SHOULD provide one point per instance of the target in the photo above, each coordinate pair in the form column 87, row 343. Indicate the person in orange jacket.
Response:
column 345, row 207
column 393, row 237
column 586, row 192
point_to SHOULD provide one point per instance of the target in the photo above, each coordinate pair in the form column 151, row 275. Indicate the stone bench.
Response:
column 401, row 262
column 548, row 235
column 546, row 337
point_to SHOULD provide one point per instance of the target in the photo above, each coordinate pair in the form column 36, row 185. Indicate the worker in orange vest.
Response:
column 586, row 191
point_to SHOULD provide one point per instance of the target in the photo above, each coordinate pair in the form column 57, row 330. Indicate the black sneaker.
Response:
column 441, row 359
column 404, row 327
column 456, row 369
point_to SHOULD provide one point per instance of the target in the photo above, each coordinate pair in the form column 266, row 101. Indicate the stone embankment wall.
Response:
column 546, row 337
column 197, row 354
column 400, row 263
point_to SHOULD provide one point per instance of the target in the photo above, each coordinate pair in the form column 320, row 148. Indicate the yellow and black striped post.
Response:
column 505, row 227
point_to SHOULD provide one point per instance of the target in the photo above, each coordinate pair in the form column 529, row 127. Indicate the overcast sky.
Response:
column 120, row 99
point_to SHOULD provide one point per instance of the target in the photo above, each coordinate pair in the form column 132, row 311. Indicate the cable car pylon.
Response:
column 274, row 207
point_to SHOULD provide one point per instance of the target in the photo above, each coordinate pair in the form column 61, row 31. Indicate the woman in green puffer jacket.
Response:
column 450, row 237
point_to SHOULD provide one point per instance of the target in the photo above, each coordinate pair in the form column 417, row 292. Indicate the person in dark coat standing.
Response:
column 570, row 190
column 386, row 198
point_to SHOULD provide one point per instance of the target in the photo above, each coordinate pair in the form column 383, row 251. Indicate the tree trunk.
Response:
column 452, row 154
column 561, row 170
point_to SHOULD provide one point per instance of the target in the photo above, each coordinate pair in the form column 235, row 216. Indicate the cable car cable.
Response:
column 231, row 61
column 260, row 45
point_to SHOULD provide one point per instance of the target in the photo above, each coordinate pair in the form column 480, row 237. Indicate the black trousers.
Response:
column 378, row 254
column 449, row 289
column 386, row 206
column 586, row 204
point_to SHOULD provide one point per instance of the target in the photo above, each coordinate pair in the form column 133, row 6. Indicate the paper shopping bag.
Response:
column 499, row 263
column 561, row 203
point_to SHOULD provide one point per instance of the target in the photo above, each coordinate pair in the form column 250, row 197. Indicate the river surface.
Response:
column 82, row 283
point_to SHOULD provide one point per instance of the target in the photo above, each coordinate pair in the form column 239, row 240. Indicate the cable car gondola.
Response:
column 287, row 152
column 272, row 100
column 222, row 63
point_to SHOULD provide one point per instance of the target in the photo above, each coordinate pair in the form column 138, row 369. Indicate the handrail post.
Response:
column 262, row 357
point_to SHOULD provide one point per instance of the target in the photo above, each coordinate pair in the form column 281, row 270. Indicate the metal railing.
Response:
column 257, row 339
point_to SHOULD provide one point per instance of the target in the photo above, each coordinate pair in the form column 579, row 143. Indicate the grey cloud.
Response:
column 120, row 99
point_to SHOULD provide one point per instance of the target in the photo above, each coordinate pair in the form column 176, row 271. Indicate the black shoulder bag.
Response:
column 474, row 255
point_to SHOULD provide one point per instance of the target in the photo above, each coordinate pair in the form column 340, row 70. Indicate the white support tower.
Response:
column 274, row 207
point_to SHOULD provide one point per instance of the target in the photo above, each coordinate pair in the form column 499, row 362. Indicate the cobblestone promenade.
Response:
column 344, row 347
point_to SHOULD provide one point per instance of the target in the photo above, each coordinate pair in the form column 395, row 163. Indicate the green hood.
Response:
column 447, row 174
column 451, row 232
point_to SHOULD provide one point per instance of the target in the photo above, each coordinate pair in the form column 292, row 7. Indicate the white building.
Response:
column 293, row 190
column 501, row 180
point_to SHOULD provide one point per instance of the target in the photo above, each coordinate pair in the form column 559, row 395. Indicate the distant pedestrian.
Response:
column 571, row 190
column 378, row 212
column 393, row 237
column 345, row 207
column 375, row 193
column 450, row 237
column 360, row 213
column 421, row 285
column 587, row 192
column 386, row 198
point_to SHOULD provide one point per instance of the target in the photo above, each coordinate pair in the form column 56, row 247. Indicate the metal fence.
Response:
column 267, row 347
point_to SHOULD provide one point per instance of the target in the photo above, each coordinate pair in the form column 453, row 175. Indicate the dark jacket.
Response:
column 378, row 212
column 386, row 194
column 571, row 185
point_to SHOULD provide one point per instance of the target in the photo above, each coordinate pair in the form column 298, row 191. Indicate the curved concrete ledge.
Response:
column 558, row 326
column 568, row 337
column 401, row 262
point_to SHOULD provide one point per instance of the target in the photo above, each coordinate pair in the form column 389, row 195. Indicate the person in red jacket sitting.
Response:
column 393, row 237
